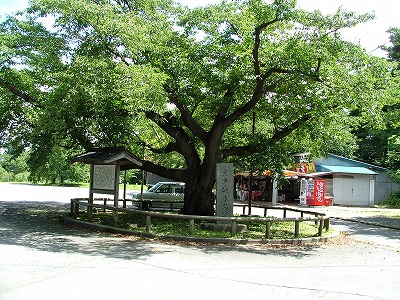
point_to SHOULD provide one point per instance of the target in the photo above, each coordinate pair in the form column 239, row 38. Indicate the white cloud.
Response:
column 371, row 34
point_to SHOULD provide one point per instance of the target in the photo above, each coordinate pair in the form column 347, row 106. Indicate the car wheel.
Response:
column 146, row 205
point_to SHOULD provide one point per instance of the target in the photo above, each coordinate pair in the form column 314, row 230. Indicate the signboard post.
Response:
column 105, row 180
column 105, row 166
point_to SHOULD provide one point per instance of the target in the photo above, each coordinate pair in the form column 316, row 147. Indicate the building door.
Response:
column 351, row 190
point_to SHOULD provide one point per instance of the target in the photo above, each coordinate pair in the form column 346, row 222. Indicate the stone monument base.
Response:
column 223, row 227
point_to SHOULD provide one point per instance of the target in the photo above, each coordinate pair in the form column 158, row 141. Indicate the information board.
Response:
column 104, row 177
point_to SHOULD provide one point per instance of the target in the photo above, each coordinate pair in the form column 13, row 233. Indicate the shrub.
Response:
column 393, row 201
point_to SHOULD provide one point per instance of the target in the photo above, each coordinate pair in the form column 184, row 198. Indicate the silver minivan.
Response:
column 168, row 195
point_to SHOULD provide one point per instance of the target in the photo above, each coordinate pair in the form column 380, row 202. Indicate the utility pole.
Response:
column 251, row 167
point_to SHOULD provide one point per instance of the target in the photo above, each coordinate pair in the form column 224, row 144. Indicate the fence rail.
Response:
column 321, row 220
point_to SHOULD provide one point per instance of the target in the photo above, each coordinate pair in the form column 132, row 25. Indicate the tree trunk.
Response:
column 199, row 198
column 200, row 178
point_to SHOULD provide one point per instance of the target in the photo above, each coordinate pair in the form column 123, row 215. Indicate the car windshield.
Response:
column 154, row 187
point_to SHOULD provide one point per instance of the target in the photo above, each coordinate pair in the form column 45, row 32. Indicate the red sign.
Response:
column 319, row 190
column 305, row 168
column 301, row 168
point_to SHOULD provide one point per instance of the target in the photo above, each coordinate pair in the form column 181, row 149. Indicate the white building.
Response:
column 354, row 182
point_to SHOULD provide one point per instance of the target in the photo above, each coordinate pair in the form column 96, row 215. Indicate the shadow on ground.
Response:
column 36, row 225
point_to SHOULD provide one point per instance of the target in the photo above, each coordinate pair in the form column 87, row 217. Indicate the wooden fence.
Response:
column 321, row 220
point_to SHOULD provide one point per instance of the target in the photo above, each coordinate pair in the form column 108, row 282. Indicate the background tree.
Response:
column 14, row 167
column 380, row 144
column 238, row 81
column 393, row 111
column 55, row 168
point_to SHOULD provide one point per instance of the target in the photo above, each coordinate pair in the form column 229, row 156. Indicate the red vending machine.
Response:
column 316, row 192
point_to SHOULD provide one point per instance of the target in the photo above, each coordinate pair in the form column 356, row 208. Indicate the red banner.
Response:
column 319, row 190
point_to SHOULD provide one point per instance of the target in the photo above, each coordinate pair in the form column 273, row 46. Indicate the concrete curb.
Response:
column 227, row 241
column 366, row 223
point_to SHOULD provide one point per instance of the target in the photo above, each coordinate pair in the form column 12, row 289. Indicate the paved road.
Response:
column 365, row 224
column 42, row 259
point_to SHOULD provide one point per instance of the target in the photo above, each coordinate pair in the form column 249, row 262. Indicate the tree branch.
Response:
column 124, row 4
column 257, row 44
column 284, row 132
column 17, row 92
column 318, row 65
column 260, row 90
column 174, row 174
column 227, row 100
column 278, row 135
column 5, row 60
column 314, row 76
column 171, row 147
column 116, row 53
column 187, row 118
column 183, row 143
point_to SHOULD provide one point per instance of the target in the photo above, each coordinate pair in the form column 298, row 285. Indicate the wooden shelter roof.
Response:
column 109, row 155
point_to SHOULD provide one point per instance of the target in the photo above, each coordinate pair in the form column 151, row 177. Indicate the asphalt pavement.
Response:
column 41, row 258
column 378, row 216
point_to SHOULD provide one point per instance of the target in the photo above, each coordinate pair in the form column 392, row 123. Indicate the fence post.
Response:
column 233, row 228
column 321, row 226
column 284, row 212
column 75, row 208
column 244, row 209
column 191, row 227
column 148, row 223
column 268, row 230
column 265, row 211
column 115, row 217
column 296, row 228
column 326, row 225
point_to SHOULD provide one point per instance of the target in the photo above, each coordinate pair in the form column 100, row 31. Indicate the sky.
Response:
column 370, row 35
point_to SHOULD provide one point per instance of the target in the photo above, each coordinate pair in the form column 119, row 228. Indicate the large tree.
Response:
column 185, row 88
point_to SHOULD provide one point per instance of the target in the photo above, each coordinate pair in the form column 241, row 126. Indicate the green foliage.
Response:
column 393, row 201
column 132, row 177
column 50, row 168
column 53, row 167
column 381, row 144
column 4, row 175
column 394, row 49
column 14, row 168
